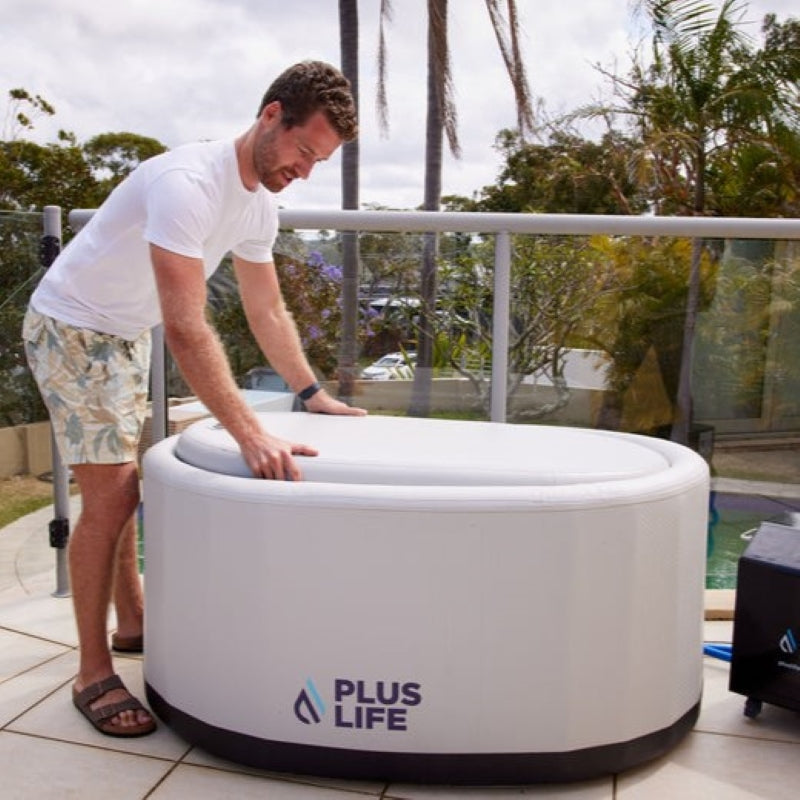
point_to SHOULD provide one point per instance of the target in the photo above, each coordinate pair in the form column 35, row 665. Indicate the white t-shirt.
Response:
column 191, row 201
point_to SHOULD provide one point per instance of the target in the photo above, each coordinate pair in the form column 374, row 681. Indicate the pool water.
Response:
column 733, row 520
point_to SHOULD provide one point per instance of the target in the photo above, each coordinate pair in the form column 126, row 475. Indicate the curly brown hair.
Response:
column 312, row 86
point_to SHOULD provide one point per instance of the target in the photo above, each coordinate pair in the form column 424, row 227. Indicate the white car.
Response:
column 392, row 366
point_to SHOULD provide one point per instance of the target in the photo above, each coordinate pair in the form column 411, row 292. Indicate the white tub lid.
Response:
column 410, row 451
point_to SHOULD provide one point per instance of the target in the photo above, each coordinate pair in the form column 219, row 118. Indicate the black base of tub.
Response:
column 466, row 769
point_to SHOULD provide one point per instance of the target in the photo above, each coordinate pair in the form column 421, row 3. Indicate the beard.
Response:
column 266, row 163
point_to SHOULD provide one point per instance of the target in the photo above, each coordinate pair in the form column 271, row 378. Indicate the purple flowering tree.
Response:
column 313, row 293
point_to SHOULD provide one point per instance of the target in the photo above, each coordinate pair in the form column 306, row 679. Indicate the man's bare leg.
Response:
column 128, row 599
column 109, row 496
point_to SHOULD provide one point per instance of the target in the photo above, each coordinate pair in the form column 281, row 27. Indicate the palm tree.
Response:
column 441, row 120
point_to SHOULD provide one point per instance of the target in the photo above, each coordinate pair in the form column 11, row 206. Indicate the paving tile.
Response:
column 36, row 557
column 57, row 718
column 198, row 757
column 708, row 766
column 602, row 789
column 11, row 541
column 22, row 692
column 720, row 631
column 25, row 550
column 200, row 783
column 19, row 653
column 49, row 770
column 39, row 614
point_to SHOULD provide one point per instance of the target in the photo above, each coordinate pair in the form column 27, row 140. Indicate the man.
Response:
column 144, row 258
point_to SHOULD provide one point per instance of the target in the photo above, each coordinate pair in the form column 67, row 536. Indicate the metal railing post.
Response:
column 500, row 323
column 59, row 526
column 159, row 420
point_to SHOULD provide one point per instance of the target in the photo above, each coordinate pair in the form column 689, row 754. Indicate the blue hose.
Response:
column 720, row 651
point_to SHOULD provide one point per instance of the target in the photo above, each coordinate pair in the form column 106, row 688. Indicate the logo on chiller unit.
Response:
column 788, row 643
column 376, row 705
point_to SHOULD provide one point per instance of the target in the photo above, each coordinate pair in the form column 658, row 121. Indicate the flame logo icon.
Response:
column 309, row 707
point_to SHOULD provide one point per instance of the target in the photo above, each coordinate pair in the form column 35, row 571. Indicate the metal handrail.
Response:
column 555, row 224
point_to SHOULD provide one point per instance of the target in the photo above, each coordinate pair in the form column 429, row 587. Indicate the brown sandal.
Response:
column 127, row 644
column 101, row 717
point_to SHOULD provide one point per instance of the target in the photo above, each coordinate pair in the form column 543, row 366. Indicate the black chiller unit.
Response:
column 765, row 657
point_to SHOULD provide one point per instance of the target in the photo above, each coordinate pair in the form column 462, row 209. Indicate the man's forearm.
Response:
column 279, row 341
column 271, row 323
column 202, row 361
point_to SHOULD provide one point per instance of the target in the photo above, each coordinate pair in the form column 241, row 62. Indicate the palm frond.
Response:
column 439, row 53
column 381, row 100
column 507, row 34
column 679, row 23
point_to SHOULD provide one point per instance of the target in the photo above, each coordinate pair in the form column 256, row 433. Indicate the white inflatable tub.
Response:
column 437, row 602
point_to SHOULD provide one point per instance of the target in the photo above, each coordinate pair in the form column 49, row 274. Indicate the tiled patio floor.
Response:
column 48, row 751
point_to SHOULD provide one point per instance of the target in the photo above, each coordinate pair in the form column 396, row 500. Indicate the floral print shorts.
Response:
column 94, row 386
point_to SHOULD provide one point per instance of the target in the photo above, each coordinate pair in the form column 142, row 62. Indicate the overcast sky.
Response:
column 183, row 70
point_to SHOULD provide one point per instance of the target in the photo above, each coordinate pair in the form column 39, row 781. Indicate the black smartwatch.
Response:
column 309, row 391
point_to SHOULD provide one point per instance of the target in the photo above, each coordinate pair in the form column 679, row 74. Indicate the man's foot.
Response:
column 111, row 708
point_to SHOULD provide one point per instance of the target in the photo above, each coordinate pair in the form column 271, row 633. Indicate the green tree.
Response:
column 555, row 283
column 113, row 156
column 20, row 233
column 22, row 111
column 63, row 173
column 760, row 175
column 748, row 362
column 390, row 269
column 707, row 95
column 644, row 318
column 706, row 99
column 568, row 174
column 33, row 176
column 390, row 263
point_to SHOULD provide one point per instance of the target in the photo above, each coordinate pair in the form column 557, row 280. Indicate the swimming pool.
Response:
column 734, row 518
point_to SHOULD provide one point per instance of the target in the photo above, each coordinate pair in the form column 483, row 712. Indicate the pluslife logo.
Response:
column 366, row 705
column 788, row 643
column 309, row 707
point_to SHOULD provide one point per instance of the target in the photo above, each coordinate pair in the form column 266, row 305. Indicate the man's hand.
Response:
column 272, row 458
column 323, row 403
